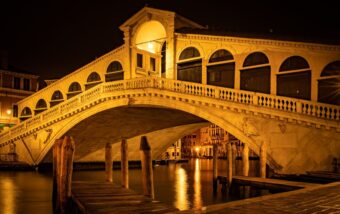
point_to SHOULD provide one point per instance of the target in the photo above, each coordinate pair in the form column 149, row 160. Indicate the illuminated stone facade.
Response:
column 171, row 76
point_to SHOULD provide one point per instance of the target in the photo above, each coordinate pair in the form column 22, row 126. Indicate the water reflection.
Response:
column 181, row 189
column 8, row 195
column 186, row 186
column 197, row 185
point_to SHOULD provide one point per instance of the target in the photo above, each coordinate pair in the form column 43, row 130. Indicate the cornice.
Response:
column 264, row 42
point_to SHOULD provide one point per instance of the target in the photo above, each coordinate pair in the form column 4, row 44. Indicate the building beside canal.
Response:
column 173, row 76
column 14, row 86
column 200, row 143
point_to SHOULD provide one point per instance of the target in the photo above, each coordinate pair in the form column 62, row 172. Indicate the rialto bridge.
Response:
column 172, row 76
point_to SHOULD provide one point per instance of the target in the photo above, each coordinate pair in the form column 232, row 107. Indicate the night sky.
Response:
column 53, row 38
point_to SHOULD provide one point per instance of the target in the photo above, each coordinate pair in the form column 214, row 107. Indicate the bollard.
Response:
column 108, row 162
column 147, row 171
column 124, row 163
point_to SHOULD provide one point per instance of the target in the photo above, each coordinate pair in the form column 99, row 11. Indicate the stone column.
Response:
column 147, row 170
column 124, row 164
column 108, row 162
column 263, row 159
column 215, row 169
column 245, row 159
column 230, row 165
column 204, row 71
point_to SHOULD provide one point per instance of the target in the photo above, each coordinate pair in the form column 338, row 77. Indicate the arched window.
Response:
column 25, row 114
column 294, row 78
column 57, row 97
column 114, row 72
column 40, row 107
column 221, row 69
column 255, row 74
column 92, row 80
column 329, row 84
column 73, row 90
column 189, row 67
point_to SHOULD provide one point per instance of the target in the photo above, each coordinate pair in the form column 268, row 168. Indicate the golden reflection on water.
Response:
column 181, row 189
column 7, row 199
column 197, row 185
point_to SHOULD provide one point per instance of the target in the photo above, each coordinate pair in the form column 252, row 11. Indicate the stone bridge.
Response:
column 301, row 135
column 172, row 76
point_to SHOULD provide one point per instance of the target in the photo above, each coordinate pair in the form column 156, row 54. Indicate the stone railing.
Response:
column 296, row 106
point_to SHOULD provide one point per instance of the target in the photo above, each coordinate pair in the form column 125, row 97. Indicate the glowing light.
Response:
column 151, row 46
column 197, row 149
column 9, row 111
column 181, row 188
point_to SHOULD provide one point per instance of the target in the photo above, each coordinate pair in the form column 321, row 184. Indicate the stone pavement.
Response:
column 320, row 199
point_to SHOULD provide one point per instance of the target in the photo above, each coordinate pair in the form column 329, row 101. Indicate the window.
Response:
column 16, row 83
column 92, row 80
column 73, row 90
column 255, row 75
column 328, row 84
column 57, row 97
column 191, row 69
column 139, row 60
column 221, row 69
column 296, row 83
column 114, row 72
column 152, row 64
column 15, row 111
column 25, row 114
column 40, row 107
column 27, row 84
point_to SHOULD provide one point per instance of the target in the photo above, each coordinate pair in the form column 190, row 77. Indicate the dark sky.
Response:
column 53, row 38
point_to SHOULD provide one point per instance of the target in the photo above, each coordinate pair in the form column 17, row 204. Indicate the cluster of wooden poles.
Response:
column 231, row 157
column 63, row 155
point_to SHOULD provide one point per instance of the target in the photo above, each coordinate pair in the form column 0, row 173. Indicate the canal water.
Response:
column 184, row 185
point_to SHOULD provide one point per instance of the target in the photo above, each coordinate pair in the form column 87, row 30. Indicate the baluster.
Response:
column 328, row 113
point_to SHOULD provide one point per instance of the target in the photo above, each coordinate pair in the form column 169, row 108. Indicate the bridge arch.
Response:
column 213, row 116
column 329, row 84
column 221, row 69
column 294, row 78
column 255, row 73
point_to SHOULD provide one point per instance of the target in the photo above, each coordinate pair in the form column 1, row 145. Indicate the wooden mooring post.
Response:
column 245, row 160
column 147, row 171
column 124, row 163
column 108, row 162
column 230, row 165
column 215, row 169
column 63, row 155
column 263, row 159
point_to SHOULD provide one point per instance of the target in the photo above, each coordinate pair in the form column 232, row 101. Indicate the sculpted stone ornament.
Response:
column 43, row 137
column 283, row 128
column 248, row 127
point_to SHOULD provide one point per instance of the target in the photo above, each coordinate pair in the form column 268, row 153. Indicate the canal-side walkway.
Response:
column 104, row 197
column 319, row 199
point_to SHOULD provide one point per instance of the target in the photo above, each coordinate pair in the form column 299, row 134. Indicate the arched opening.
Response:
column 73, row 90
column 294, row 78
column 221, row 69
column 40, row 107
column 57, row 97
column 150, row 36
column 189, row 66
column 92, row 80
column 114, row 72
column 329, row 84
column 255, row 74
column 26, row 113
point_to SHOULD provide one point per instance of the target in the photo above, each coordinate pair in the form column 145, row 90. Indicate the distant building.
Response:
column 14, row 86
column 173, row 152
column 200, row 143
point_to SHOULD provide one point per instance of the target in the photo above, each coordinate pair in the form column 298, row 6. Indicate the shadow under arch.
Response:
column 163, row 103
